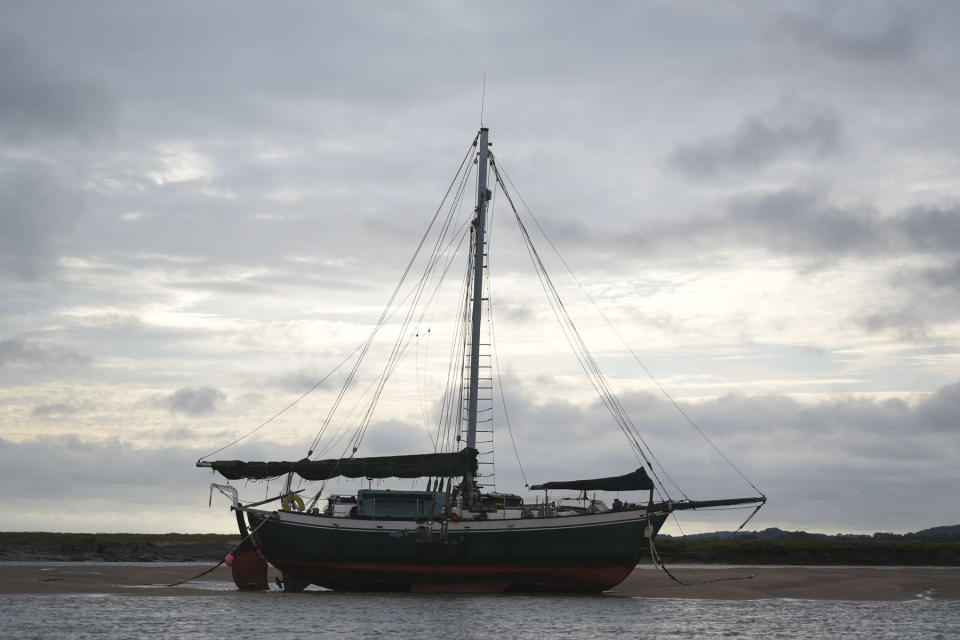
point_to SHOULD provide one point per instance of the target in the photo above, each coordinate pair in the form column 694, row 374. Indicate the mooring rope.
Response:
column 216, row 566
column 658, row 562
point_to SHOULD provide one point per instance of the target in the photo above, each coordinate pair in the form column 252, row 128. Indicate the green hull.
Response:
column 585, row 553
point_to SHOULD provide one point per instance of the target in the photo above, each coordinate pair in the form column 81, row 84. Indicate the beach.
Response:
column 712, row 583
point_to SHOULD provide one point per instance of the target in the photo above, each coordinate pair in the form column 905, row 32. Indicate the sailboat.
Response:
column 454, row 534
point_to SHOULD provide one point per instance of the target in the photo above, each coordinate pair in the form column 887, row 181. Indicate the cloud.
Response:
column 941, row 411
column 192, row 401
column 54, row 409
column 929, row 297
column 20, row 352
column 940, row 277
column 833, row 465
column 38, row 214
column 929, row 229
column 881, row 35
column 794, row 127
column 43, row 96
column 228, row 196
column 808, row 224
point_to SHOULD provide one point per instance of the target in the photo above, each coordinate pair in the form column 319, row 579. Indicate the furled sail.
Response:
column 409, row 466
column 634, row 481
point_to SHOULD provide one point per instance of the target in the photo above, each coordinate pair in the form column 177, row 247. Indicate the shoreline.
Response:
column 728, row 583
column 125, row 547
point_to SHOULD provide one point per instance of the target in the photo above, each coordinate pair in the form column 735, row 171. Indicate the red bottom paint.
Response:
column 455, row 579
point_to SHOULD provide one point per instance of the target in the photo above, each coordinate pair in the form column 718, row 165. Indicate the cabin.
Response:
column 386, row 504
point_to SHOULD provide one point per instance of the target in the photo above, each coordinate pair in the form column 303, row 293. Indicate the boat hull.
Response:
column 585, row 553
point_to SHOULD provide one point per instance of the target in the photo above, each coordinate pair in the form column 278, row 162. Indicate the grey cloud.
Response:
column 930, row 229
column 805, row 223
column 941, row 411
column 192, row 401
column 38, row 214
column 43, row 97
column 941, row 277
column 278, row 280
column 302, row 380
column 180, row 434
column 798, row 222
column 846, row 31
column 20, row 352
column 910, row 322
column 795, row 127
column 929, row 297
column 54, row 409
column 917, row 320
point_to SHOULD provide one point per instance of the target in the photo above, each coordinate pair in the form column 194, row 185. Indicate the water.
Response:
column 325, row 614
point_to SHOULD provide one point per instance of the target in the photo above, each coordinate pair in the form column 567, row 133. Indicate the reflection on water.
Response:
column 280, row 616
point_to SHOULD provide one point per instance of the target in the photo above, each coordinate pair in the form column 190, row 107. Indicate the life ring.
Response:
column 293, row 502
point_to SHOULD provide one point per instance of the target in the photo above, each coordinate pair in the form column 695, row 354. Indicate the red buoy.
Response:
column 249, row 570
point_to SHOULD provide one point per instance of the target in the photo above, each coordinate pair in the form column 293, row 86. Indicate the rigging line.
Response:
column 610, row 398
column 200, row 575
column 503, row 403
column 316, row 441
column 393, row 296
column 454, row 360
column 629, row 348
column 658, row 562
column 416, row 293
column 451, row 417
column 491, row 475
column 496, row 362
column 589, row 364
column 421, row 400
column 400, row 344
column 439, row 251
column 430, row 305
column 285, row 409
column 580, row 350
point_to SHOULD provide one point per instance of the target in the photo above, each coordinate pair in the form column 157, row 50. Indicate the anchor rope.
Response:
column 659, row 564
column 216, row 566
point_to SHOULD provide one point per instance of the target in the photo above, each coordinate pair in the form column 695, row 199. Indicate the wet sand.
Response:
column 806, row 583
column 812, row 583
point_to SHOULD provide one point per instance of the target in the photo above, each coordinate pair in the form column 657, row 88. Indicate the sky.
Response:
column 205, row 206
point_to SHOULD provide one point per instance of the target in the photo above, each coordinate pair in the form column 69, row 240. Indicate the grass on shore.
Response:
column 41, row 537
column 867, row 552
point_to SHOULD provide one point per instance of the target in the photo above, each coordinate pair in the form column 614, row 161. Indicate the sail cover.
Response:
column 633, row 481
column 412, row 466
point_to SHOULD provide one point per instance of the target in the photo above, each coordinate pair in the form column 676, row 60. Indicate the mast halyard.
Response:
column 479, row 236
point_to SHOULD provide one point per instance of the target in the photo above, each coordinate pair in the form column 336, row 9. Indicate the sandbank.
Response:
column 811, row 583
